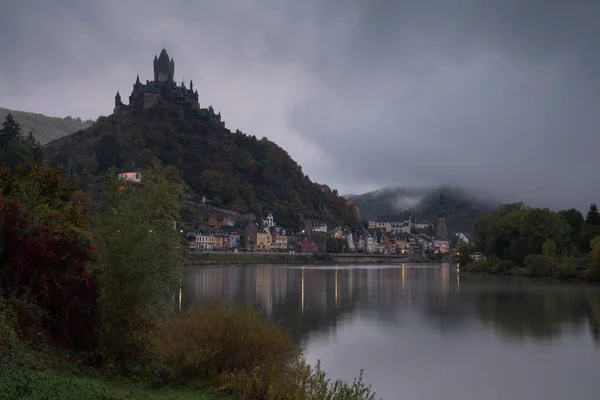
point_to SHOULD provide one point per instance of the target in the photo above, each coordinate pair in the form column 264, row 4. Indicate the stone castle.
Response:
column 163, row 87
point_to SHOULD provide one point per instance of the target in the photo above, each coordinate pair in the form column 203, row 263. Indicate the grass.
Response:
column 24, row 383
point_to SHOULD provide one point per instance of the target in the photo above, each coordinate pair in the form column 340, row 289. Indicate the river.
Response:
column 426, row 332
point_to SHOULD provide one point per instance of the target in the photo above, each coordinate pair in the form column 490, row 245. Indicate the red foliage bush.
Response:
column 47, row 268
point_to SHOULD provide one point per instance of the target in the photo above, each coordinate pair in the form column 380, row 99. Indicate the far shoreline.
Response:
column 214, row 258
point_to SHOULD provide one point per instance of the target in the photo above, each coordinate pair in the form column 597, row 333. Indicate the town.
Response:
column 383, row 235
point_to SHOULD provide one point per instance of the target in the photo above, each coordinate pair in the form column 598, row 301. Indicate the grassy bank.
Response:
column 24, row 383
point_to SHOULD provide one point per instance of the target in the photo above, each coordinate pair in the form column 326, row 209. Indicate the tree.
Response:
column 513, row 232
column 464, row 253
column 35, row 147
column 140, row 252
column 593, row 270
column 591, row 228
column 574, row 219
column 11, row 129
column 45, row 254
column 593, row 216
column 549, row 254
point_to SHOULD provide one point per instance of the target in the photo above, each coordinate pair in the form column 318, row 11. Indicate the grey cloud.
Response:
column 497, row 96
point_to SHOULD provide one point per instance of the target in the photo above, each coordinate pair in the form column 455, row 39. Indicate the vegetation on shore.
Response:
column 519, row 240
column 87, row 309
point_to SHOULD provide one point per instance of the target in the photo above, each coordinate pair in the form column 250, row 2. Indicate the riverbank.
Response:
column 566, row 270
column 25, row 383
column 212, row 258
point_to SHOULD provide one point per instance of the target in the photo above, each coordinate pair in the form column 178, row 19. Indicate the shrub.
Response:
column 209, row 341
column 567, row 268
column 536, row 265
column 249, row 358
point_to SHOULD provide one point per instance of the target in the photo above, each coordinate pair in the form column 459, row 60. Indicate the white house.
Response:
column 350, row 240
column 269, row 222
column 462, row 238
column 442, row 246
column 319, row 226
column 369, row 244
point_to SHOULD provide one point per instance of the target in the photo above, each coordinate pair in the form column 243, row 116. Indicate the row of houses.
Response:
column 377, row 241
column 221, row 234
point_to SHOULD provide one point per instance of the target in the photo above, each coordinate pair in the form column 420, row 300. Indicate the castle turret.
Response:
column 118, row 102
column 164, row 69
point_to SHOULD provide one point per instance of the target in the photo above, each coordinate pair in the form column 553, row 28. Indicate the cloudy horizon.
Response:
column 498, row 97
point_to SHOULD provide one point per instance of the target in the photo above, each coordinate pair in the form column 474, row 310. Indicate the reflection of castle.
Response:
column 162, row 87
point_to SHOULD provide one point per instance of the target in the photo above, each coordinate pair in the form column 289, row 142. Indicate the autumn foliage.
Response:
column 45, row 251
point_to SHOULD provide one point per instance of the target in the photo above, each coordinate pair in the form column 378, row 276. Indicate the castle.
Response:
column 163, row 87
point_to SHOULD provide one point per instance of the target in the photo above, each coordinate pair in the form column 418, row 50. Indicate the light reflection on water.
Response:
column 424, row 332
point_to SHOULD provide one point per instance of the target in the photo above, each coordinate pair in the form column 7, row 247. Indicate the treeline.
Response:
column 516, row 239
column 17, row 148
column 101, row 288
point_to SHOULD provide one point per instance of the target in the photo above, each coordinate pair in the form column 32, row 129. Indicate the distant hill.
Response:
column 46, row 128
column 233, row 170
column 462, row 209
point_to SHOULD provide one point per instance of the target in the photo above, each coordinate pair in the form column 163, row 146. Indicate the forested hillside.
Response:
column 46, row 129
column 231, row 169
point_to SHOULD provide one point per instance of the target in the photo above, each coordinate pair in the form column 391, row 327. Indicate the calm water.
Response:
column 426, row 332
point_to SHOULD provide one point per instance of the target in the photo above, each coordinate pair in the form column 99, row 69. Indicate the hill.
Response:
column 46, row 128
column 233, row 170
column 462, row 208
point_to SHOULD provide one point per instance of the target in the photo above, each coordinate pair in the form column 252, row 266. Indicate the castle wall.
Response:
column 150, row 100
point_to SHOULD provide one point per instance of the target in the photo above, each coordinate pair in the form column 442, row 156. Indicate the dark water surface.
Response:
column 426, row 332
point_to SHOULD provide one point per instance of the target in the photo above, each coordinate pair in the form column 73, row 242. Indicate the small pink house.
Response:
column 131, row 176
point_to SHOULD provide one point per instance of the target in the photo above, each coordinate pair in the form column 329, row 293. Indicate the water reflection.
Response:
column 316, row 299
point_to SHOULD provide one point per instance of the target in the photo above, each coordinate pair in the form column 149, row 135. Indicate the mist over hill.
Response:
column 462, row 207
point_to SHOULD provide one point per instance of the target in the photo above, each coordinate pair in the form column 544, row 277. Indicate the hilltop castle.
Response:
column 163, row 87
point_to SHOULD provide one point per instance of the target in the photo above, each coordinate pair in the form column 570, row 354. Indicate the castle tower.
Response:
column 164, row 69
column 441, row 225
column 118, row 102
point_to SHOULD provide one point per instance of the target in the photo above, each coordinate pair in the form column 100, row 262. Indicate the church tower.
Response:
column 164, row 69
column 441, row 225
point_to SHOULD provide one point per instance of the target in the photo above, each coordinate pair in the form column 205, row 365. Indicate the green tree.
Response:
column 16, row 152
column 512, row 232
column 593, row 216
column 140, row 251
column 11, row 129
column 591, row 228
column 593, row 270
column 549, row 254
column 464, row 250
column 35, row 147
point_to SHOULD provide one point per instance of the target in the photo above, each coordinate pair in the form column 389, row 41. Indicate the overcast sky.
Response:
column 499, row 96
